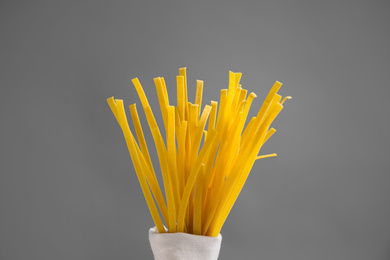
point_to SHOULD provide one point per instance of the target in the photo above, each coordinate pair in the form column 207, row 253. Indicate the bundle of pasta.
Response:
column 201, row 182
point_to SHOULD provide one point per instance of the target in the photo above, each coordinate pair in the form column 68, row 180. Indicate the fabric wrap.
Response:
column 183, row 246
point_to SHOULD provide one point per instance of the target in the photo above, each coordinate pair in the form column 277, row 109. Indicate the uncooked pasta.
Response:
column 202, row 180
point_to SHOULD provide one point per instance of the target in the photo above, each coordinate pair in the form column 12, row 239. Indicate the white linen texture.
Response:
column 183, row 246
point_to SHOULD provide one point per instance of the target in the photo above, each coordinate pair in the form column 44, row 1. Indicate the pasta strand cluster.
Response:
column 201, row 182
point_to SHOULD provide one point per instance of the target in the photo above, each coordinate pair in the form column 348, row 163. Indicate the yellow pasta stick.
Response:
column 216, row 184
column 193, row 121
column 284, row 99
column 241, row 107
column 245, row 115
column 211, row 208
column 188, row 153
column 249, row 103
column 266, row 156
column 237, row 78
column 199, row 131
column 277, row 98
column 153, row 183
column 218, row 187
column 238, row 123
column 228, row 104
column 274, row 104
column 213, row 115
column 207, row 208
column 177, row 123
column 220, row 200
column 140, row 135
column 268, row 99
column 260, row 119
column 229, row 146
column 190, row 211
column 138, row 168
column 154, row 186
column 172, row 155
column 223, row 196
column 209, row 164
column 237, row 150
column 162, row 100
column 220, row 162
column 198, row 95
column 150, row 118
column 140, row 92
column 222, row 104
column 177, row 119
column 269, row 134
column 194, row 115
column 230, row 155
column 205, row 197
column 235, row 136
column 197, row 227
column 166, row 178
column 242, row 97
column 111, row 103
column 181, row 103
column 232, row 83
column 148, row 111
column 196, row 137
column 247, row 130
column 183, row 72
column 163, row 158
column 181, row 157
column 237, row 182
column 191, row 180
column 149, row 115
column 165, row 91
column 203, row 118
column 235, row 99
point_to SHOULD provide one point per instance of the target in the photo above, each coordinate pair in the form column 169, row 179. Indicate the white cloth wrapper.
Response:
column 183, row 246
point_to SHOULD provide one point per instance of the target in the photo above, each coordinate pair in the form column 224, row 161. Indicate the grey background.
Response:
column 68, row 189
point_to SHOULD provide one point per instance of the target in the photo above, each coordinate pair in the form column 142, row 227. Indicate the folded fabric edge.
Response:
column 172, row 246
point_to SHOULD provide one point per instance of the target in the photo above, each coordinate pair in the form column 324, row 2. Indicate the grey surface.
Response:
column 67, row 187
